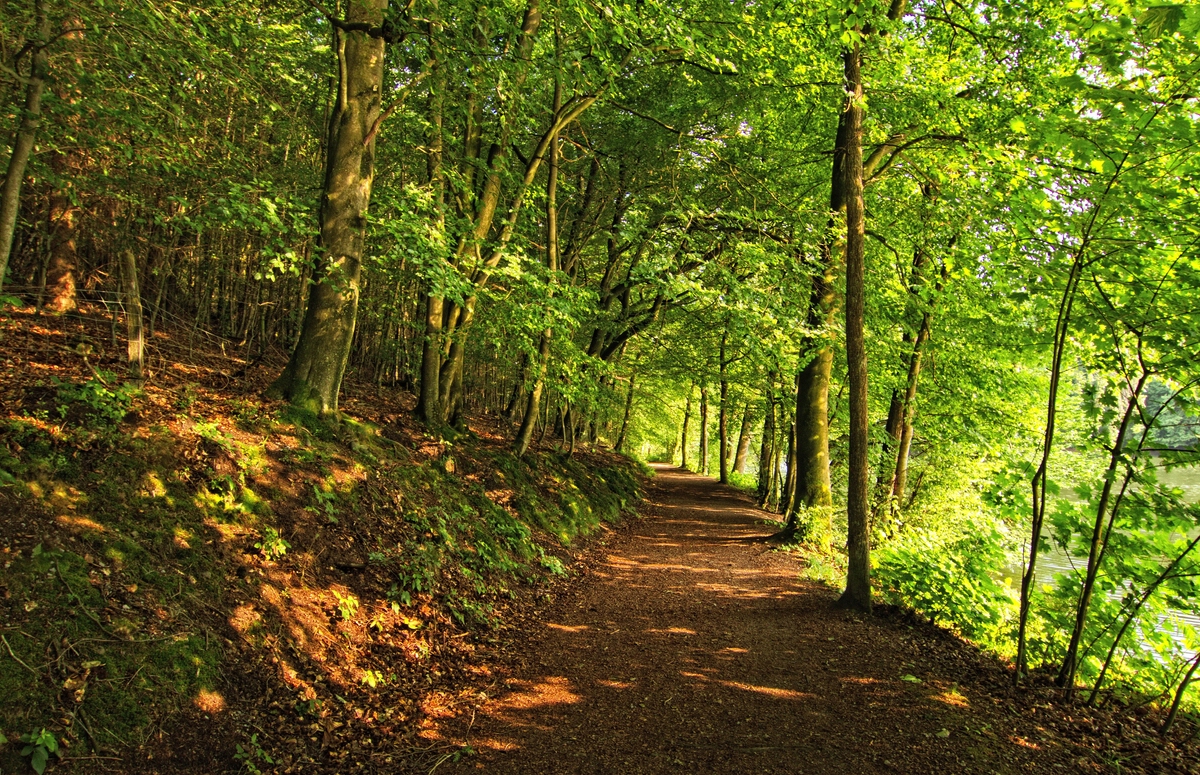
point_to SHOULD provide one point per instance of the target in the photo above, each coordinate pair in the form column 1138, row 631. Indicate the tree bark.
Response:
column 133, row 318
column 620, row 445
column 313, row 376
column 858, row 548
column 766, row 451
column 687, row 417
column 723, row 417
column 525, row 433
column 31, row 119
column 704, row 429
column 743, row 444
column 1099, row 539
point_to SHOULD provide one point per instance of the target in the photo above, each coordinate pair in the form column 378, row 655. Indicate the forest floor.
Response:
column 694, row 646
column 677, row 640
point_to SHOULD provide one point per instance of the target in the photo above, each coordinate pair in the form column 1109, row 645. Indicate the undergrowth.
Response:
column 155, row 545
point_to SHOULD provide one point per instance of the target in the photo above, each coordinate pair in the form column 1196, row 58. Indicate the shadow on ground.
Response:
column 695, row 648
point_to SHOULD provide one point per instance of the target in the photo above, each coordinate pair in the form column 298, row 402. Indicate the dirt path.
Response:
column 694, row 648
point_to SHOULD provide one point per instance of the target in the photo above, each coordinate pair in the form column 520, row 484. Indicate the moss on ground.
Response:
column 156, row 554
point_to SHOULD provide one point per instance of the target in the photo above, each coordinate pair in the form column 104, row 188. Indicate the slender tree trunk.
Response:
column 766, row 451
column 791, row 481
column 743, row 444
column 687, row 418
column 704, row 429
column 723, row 417
column 1066, row 674
column 1038, row 484
column 620, row 445
column 525, row 433
column 313, row 376
column 133, row 318
column 31, row 119
column 858, row 549
column 429, row 408
column 1183, row 685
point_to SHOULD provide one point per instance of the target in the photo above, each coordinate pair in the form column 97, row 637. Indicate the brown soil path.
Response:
column 695, row 648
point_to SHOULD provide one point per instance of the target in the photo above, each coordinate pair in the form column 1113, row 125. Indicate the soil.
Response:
column 695, row 646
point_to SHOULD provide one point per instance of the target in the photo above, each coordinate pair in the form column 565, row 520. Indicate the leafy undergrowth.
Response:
column 197, row 580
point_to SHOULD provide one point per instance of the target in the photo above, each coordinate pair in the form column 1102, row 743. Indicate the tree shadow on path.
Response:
column 693, row 648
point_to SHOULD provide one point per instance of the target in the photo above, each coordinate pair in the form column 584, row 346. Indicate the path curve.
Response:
column 696, row 648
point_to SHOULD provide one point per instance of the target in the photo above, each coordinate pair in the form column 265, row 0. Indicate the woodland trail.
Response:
column 696, row 648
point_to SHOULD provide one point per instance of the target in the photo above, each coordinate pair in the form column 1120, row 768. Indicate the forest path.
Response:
column 695, row 648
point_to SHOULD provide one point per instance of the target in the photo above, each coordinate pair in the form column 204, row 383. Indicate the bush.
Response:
column 952, row 583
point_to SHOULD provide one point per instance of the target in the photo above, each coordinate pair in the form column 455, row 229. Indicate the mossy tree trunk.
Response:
column 313, row 376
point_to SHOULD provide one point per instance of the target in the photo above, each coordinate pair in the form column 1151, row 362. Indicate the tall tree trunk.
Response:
column 525, row 433
column 791, row 478
column 1039, row 482
column 908, row 405
column 858, row 548
column 1099, row 541
column 813, row 493
column 743, row 444
column 723, row 417
column 704, row 429
column 687, row 418
column 62, row 266
column 429, row 408
column 620, row 445
column 766, row 451
column 31, row 119
column 313, row 376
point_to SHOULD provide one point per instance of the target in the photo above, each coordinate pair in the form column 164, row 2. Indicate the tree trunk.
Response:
column 1099, row 539
column 766, row 451
column 525, row 433
column 858, row 548
column 133, row 318
column 31, row 119
column 743, row 444
column 811, row 460
column 687, row 417
column 620, row 445
column 723, row 418
column 63, row 263
column 313, row 376
column 704, row 429
column 429, row 408
column 908, row 405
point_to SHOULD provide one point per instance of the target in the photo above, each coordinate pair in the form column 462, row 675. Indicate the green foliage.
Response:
column 372, row 678
column 953, row 583
column 272, row 544
column 252, row 755
column 347, row 605
column 39, row 747
column 97, row 401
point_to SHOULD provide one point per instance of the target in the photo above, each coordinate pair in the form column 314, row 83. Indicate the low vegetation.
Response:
column 184, row 555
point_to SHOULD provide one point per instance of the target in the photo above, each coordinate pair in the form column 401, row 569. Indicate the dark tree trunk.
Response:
column 858, row 547
column 31, row 119
column 704, row 429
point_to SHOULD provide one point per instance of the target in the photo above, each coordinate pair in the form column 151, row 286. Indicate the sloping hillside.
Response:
column 195, row 579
